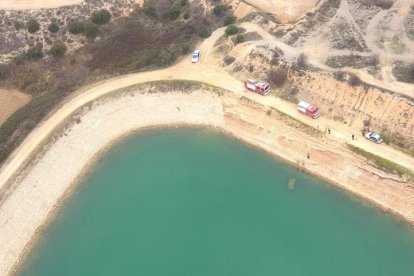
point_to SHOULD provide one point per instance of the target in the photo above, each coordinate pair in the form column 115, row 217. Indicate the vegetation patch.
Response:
column 144, row 40
column 383, row 164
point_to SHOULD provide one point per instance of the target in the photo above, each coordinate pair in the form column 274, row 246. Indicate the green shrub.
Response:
column 90, row 30
column 35, row 52
column 230, row 19
column 182, row 3
column 32, row 26
column 149, row 10
column 53, row 27
column 173, row 12
column 185, row 49
column 75, row 27
column 186, row 16
column 58, row 49
column 101, row 17
column 204, row 32
column 231, row 30
column 220, row 9
column 239, row 39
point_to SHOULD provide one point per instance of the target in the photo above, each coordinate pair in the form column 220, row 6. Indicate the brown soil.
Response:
column 10, row 101
column 284, row 11
column 36, row 4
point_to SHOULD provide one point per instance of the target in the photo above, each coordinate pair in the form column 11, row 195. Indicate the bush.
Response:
column 35, row 52
column 149, row 9
column 339, row 75
column 384, row 4
column 186, row 16
column 182, row 3
column 58, row 49
column 231, row 30
column 277, row 76
column 301, row 62
column 18, row 25
column 185, row 49
column 53, row 27
column 32, row 26
column 220, row 9
column 101, row 17
column 204, row 32
column 230, row 19
column 90, row 30
column 239, row 39
column 354, row 80
column 229, row 60
column 173, row 12
column 75, row 27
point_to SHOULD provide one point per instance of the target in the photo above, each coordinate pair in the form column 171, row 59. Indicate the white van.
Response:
column 196, row 56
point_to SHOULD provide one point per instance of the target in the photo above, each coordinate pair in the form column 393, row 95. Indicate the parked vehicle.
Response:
column 374, row 137
column 196, row 56
column 262, row 88
column 308, row 109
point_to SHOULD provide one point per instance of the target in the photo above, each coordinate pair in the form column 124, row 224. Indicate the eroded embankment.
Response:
column 33, row 196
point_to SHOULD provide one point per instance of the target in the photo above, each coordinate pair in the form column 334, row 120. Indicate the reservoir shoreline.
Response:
column 39, row 192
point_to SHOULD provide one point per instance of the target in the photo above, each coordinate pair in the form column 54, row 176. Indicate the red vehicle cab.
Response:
column 308, row 109
column 262, row 88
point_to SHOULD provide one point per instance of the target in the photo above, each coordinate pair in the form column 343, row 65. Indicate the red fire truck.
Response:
column 308, row 109
column 262, row 88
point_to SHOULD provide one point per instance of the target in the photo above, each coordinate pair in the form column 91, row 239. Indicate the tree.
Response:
column 101, row 17
column 90, row 30
column 58, row 49
column 220, row 9
column 53, row 27
column 173, row 12
column 231, row 30
column 35, row 52
column 204, row 32
column 230, row 19
column 32, row 25
column 239, row 39
column 149, row 9
column 75, row 27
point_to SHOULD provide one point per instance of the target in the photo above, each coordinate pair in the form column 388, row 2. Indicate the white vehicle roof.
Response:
column 304, row 104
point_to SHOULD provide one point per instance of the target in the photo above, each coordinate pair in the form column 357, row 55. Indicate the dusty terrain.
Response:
column 284, row 11
column 35, row 4
column 389, row 112
column 271, row 122
column 39, row 189
column 10, row 101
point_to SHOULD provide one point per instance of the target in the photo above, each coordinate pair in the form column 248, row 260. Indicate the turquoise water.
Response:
column 194, row 202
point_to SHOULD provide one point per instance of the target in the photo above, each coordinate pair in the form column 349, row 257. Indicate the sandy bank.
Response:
column 38, row 190
column 35, row 4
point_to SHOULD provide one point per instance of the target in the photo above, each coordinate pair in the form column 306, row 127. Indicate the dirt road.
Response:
column 204, row 72
column 35, row 4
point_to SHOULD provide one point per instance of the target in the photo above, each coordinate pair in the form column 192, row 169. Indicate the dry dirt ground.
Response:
column 10, row 101
column 207, row 72
column 35, row 4
column 51, row 175
column 284, row 11
column 359, row 36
